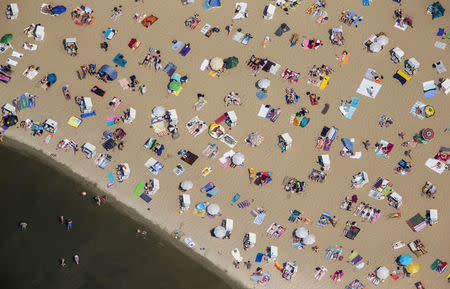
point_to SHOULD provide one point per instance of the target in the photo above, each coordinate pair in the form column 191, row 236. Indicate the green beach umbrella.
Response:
column 174, row 85
column 231, row 62
column 6, row 38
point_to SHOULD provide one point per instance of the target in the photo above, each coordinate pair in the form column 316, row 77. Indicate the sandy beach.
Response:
column 373, row 242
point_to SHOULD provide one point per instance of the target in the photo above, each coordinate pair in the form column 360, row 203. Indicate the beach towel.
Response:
column 344, row 58
column 111, row 179
column 244, row 204
column 84, row 115
column 324, row 219
column 177, row 45
column 440, row 45
column 204, row 64
column 401, row 27
column 278, row 266
column 17, row 54
column 365, row 87
column 236, row 255
column 138, row 189
column 259, row 257
column 356, row 260
column 189, row 242
column 185, row 50
column 434, row 165
column 48, row 138
column 414, row 108
column 241, row 13
column 124, row 83
column 205, row 28
column 440, row 32
column 329, row 252
column 238, row 36
column 369, row 73
column 352, row 108
column 12, row 62
column 145, row 197
column 259, row 219
column 236, row 198
column 294, row 216
column 352, row 255
column 212, row 192
column 23, row 101
column 261, row 95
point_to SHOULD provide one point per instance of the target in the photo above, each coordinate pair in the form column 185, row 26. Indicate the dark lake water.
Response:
column 111, row 254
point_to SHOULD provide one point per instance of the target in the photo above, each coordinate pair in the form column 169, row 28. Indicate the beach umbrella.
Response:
column 231, row 62
column 375, row 47
column 348, row 144
column 309, row 240
column 301, row 232
column 382, row 40
column 213, row 209
column 427, row 134
column 51, row 78
column 428, row 110
column 383, row 273
column 159, row 111
column 238, row 159
column 186, row 185
column 413, row 268
column 59, row 9
column 216, row 63
column 255, row 139
column 405, row 259
column 6, row 38
column 220, row 232
column 263, row 83
column 174, row 85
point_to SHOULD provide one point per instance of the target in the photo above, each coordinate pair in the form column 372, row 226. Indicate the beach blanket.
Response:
column 238, row 36
column 324, row 219
column 366, row 86
column 440, row 45
column 383, row 144
column 261, row 95
column 399, row 26
column 124, row 83
column 259, row 219
column 84, row 115
column 160, row 128
column 244, row 204
column 196, row 126
column 111, row 179
column 429, row 89
column 329, row 252
column 236, row 198
column 241, row 13
column 259, row 257
column 436, row 165
column 177, row 45
column 145, row 197
column 204, row 64
column 12, row 62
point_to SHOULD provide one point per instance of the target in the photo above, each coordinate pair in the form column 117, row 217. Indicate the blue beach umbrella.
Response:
column 405, row 260
column 348, row 144
column 59, row 9
column 51, row 78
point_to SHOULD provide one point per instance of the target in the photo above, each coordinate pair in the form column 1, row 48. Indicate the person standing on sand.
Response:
column 408, row 153
column 366, row 144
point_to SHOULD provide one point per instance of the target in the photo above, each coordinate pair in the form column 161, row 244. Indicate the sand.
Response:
column 374, row 241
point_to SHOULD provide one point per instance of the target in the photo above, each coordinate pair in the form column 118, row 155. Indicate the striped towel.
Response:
column 244, row 204
column 259, row 219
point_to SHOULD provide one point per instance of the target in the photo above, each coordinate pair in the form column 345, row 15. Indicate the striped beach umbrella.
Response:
column 427, row 134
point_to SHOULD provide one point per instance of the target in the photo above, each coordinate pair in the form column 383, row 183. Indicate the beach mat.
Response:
column 146, row 197
column 236, row 198
column 110, row 123
column 259, row 257
column 138, row 189
column 23, row 102
column 84, row 115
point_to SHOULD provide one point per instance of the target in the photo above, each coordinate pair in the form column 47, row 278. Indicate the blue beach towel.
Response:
column 110, row 123
column 261, row 95
column 259, row 257
column 440, row 32
column 259, row 219
column 177, row 45
column 145, row 197
column 366, row 2
column 111, row 177
column 353, row 105
column 84, row 115
column 236, row 198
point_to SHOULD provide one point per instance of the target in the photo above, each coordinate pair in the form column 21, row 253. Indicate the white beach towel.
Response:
column 402, row 28
column 365, row 86
column 428, row 85
column 12, row 62
column 238, row 36
column 241, row 13
column 204, row 64
column 432, row 164
column 414, row 108
column 33, row 47
column 16, row 54
column 263, row 110
column 274, row 68
column 205, row 28
column 440, row 45
column 30, row 74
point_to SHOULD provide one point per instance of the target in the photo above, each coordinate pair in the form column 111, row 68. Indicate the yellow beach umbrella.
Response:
column 429, row 110
column 413, row 268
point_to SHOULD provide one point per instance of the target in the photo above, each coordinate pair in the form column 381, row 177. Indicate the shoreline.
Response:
column 24, row 148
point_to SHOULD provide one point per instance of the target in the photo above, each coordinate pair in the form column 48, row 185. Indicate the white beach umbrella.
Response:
column 220, row 232
column 213, row 209
column 383, row 272
column 238, row 159
column 301, row 232
column 186, row 185
column 216, row 63
column 382, row 40
column 255, row 139
column 309, row 240
column 159, row 111
column 375, row 47
column 263, row 83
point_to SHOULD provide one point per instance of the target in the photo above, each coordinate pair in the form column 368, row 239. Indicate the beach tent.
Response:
column 58, row 10
column 231, row 62
column 437, row 10
column 109, row 71
column 6, row 38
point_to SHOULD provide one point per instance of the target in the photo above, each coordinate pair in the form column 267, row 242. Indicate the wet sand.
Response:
column 394, row 100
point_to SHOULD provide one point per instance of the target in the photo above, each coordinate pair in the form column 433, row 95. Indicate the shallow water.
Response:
column 111, row 254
